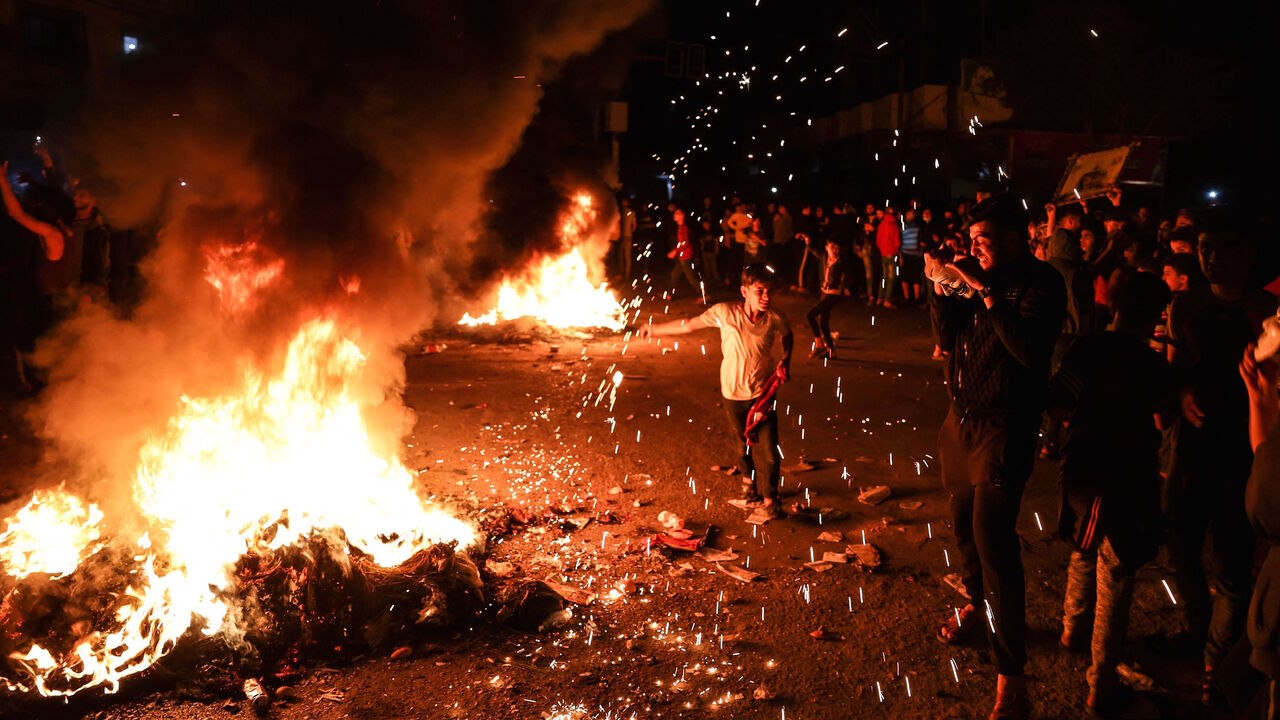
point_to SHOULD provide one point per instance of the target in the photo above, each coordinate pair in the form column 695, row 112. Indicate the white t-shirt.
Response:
column 739, row 222
column 747, row 347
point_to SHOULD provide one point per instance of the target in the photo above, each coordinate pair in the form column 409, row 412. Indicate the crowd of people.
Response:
column 1120, row 347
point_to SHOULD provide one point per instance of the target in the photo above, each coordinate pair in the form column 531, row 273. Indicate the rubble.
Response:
column 531, row 606
column 874, row 495
column 257, row 696
column 737, row 573
column 865, row 557
column 401, row 652
column 831, row 536
column 824, row 634
column 816, row 516
column 954, row 581
column 715, row 555
column 670, row 520
column 499, row 569
column 577, row 596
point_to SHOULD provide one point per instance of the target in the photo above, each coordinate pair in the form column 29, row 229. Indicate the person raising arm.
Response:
column 51, row 238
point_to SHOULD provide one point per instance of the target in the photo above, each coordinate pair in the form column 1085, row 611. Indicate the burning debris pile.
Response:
column 264, row 511
column 558, row 290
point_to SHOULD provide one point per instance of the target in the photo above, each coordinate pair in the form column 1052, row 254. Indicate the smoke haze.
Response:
column 343, row 140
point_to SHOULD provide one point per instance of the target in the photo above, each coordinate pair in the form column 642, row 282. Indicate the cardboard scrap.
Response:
column 954, row 581
column 866, row 557
column 831, row 536
column 816, row 516
column 577, row 596
column 874, row 495
column 819, row 566
column 711, row 554
column 499, row 569
column 910, row 504
column 738, row 573
column 835, row 557
column 575, row 522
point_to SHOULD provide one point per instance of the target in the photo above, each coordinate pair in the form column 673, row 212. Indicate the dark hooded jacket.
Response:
column 1067, row 258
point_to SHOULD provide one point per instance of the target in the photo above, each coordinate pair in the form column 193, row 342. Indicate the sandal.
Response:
column 961, row 626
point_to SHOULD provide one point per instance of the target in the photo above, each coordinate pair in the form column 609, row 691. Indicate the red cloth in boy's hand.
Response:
column 760, row 409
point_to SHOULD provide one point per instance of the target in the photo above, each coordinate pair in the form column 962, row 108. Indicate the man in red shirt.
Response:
column 889, row 243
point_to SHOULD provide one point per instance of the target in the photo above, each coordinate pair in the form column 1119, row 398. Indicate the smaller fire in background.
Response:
column 558, row 290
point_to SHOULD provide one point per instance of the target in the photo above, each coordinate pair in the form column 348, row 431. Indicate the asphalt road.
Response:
column 508, row 419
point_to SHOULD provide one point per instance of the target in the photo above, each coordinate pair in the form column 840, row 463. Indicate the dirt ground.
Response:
column 514, row 421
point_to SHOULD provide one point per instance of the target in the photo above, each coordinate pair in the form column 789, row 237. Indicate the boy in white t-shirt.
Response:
column 748, row 332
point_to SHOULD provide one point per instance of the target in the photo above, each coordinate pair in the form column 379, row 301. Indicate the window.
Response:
column 130, row 44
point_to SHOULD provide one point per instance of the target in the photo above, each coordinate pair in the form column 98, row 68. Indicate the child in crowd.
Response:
column 819, row 315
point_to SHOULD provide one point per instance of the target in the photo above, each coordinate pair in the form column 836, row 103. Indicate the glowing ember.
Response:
column 283, row 458
column 558, row 290
column 51, row 534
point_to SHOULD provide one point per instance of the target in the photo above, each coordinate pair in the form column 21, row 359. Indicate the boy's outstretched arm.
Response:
column 683, row 326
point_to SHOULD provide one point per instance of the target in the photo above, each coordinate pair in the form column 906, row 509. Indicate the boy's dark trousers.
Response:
column 986, row 462
column 819, row 317
column 759, row 477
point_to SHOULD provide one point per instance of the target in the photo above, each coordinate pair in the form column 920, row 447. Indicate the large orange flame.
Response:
column 558, row 290
column 282, row 458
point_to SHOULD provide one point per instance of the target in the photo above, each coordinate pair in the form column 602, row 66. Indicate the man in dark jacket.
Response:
column 1110, row 386
column 1001, row 339
column 1067, row 257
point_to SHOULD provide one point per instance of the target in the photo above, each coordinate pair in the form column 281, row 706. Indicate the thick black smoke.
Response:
column 347, row 140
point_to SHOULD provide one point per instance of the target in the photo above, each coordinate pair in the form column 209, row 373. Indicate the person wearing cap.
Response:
column 1000, row 331
column 749, row 332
